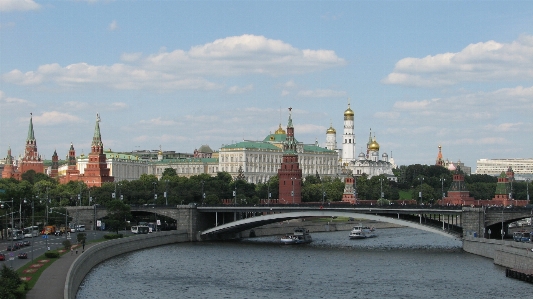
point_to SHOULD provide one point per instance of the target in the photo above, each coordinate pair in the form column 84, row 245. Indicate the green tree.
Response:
column 118, row 213
column 169, row 172
column 10, row 286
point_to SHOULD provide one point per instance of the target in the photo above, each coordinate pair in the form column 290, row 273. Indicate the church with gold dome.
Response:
column 369, row 162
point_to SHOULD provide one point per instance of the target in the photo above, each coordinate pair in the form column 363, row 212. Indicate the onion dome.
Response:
column 373, row 146
column 280, row 130
column 348, row 114
column 331, row 130
column 362, row 156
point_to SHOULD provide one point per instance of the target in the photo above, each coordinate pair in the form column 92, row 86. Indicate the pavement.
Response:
column 51, row 283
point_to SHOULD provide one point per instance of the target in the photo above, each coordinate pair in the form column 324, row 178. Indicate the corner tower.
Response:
column 348, row 137
column 32, row 159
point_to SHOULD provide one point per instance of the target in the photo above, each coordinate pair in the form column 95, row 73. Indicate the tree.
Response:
column 118, row 213
column 10, row 286
column 169, row 172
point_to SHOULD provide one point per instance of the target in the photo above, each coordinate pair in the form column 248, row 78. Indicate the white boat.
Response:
column 300, row 236
column 362, row 232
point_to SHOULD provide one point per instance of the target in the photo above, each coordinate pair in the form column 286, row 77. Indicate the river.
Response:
column 399, row 263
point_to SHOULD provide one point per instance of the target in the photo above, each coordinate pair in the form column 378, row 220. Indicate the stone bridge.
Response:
column 208, row 221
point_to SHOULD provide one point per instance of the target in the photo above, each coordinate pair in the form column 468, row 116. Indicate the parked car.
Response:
column 2, row 257
column 23, row 255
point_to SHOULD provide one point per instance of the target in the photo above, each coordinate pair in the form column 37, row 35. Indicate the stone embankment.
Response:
column 106, row 250
column 509, row 254
column 287, row 227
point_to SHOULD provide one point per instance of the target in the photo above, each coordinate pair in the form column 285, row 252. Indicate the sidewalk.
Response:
column 51, row 283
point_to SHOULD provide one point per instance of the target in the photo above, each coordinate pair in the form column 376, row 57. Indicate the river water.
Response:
column 399, row 263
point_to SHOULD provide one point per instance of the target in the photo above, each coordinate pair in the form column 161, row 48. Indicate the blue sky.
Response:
column 179, row 74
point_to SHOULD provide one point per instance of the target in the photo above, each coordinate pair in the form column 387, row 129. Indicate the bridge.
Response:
column 224, row 222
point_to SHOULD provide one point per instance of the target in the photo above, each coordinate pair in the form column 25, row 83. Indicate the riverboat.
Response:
column 362, row 232
column 300, row 236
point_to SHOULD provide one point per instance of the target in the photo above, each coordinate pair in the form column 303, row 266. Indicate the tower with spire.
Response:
column 348, row 137
column 31, row 159
column 96, row 172
column 331, row 138
column 440, row 160
column 72, row 173
column 54, row 170
column 289, row 173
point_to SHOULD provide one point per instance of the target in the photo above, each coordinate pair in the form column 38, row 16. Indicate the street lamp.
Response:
column 32, row 222
column 381, row 183
column 166, row 193
column 203, row 194
column 527, row 189
column 292, row 193
column 46, row 202
column 421, row 179
column 12, row 228
column 442, row 188
column 155, row 194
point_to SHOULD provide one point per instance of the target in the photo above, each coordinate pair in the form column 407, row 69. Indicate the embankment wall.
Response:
column 106, row 250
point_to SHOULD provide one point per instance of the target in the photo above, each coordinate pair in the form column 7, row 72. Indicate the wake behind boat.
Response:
column 300, row 236
column 362, row 232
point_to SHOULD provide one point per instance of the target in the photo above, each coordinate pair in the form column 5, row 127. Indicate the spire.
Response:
column 31, row 134
column 9, row 159
column 97, row 138
column 289, row 125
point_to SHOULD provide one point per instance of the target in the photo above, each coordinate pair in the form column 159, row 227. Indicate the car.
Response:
column 2, row 257
column 23, row 255
column 19, row 244
column 26, row 243
column 12, row 248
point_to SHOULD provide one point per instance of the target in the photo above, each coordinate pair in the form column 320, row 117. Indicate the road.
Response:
column 40, row 245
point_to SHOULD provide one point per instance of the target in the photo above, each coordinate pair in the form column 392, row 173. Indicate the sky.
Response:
column 176, row 75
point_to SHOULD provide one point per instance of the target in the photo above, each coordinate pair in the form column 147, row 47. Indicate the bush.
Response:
column 113, row 236
column 11, row 286
column 51, row 254
column 67, row 244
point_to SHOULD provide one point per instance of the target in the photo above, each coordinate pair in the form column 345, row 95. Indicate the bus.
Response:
column 140, row 229
column 17, row 234
column 31, row 231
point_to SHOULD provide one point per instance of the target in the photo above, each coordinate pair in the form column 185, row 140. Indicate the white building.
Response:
column 523, row 168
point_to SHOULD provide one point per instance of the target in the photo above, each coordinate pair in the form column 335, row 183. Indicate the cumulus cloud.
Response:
column 113, row 26
column 18, row 5
column 55, row 118
column 158, row 122
column 480, row 62
column 179, row 69
column 4, row 100
column 321, row 93
column 239, row 90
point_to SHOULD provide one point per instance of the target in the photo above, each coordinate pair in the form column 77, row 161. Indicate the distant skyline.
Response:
column 180, row 74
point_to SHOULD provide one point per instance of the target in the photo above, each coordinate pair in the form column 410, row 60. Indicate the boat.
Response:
column 362, row 232
column 300, row 236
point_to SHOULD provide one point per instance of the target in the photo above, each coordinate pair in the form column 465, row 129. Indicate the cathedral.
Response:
column 368, row 162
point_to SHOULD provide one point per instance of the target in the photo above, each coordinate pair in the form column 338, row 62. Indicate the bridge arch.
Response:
column 249, row 223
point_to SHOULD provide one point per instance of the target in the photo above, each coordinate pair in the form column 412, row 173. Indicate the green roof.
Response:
column 185, row 160
column 252, row 145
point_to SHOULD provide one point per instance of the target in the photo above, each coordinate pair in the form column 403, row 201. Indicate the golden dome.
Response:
column 331, row 130
column 280, row 130
column 373, row 146
column 348, row 114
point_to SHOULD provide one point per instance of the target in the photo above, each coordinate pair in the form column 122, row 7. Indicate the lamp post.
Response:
column 32, row 222
column 268, row 192
column 166, row 193
column 442, row 189
column 527, row 189
column 11, row 207
column 421, row 179
column 203, row 194
column 46, row 202
column 155, row 194
column 381, row 185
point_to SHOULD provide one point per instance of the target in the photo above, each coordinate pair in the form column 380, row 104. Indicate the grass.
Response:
column 405, row 194
column 35, row 268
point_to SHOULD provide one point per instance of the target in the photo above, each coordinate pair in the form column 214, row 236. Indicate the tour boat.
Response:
column 362, row 232
column 300, row 236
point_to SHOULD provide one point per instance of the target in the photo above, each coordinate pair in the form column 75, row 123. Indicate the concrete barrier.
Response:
column 106, row 250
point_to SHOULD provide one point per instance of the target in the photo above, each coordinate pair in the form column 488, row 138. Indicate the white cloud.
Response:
column 158, row 122
column 321, row 93
column 239, row 90
column 10, row 100
column 414, row 105
column 505, row 127
column 18, row 5
column 179, row 69
column 55, row 118
column 113, row 26
column 484, row 61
